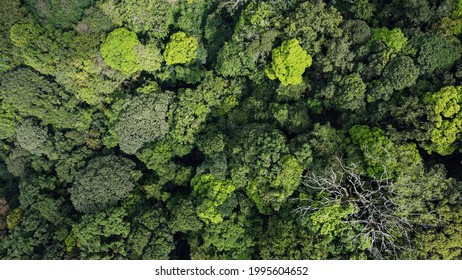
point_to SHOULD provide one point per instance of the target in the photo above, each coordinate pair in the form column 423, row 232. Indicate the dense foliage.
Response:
column 231, row 129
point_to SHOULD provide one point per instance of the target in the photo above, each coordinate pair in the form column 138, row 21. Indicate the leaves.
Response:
column 197, row 129
column 445, row 106
column 180, row 49
column 143, row 119
column 211, row 194
column 289, row 63
column 393, row 39
column 118, row 50
column 103, row 182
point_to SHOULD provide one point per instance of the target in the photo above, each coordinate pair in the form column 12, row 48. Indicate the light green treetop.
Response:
column 212, row 194
column 382, row 154
column 181, row 49
column 394, row 38
column 457, row 9
column 444, row 106
column 289, row 63
column 118, row 50
column 123, row 51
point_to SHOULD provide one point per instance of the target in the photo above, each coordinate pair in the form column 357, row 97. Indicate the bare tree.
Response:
column 373, row 198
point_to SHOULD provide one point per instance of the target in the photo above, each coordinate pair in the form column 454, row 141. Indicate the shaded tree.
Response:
column 261, row 163
column 62, row 14
column 99, row 236
column 143, row 119
column 150, row 236
column 102, row 183
column 27, row 93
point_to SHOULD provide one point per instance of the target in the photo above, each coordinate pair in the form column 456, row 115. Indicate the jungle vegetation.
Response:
column 230, row 129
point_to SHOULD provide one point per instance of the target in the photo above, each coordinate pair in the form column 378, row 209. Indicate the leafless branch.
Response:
column 376, row 217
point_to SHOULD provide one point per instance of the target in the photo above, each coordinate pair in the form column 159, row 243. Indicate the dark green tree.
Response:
column 100, row 236
column 150, row 236
column 102, row 183
column 261, row 164
column 27, row 93
column 143, row 119
column 62, row 14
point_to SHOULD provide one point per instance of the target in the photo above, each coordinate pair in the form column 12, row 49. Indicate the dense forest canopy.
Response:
column 230, row 129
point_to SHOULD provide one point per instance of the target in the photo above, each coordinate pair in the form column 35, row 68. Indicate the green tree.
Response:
column 289, row 63
column 94, row 21
column 180, row 49
column 262, row 164
column 293, row 118
column 72, row 58
column 349, row 93
column 314, row 24
column 446, row 117
column 160, row 157
column 214, row 96
column 183, row 216
column 8, row 124
column 27, row 93
column 11, row 12
column 230, row 239
column 410, row 12
column 393, row 39
column 398, row 74
column 444, row 243
column 13, row 219
column 39, row 48
column 150, row 236
column 121, row 50
column 234, row 238
column 352, row 93
column 380, row 153
column 62, row 14
column 102, row 183
column 33, row 239
column 31, row 138
column 233, row 61
column 101, row 235
column 145, row 16
column 143, row 119
column 215, row 197
column 438, row 53
column 287, row 238
column 149, row 57
column 37, row 222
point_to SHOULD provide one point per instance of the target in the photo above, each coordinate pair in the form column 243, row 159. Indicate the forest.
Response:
column 231, row 129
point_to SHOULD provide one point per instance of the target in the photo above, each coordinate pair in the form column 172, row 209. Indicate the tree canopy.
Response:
column 180, row 49
column 289, row 63
column 230, row 129
column 102, row 183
